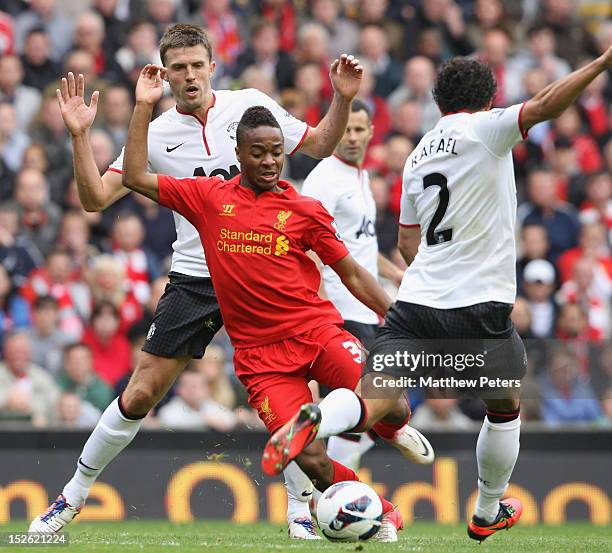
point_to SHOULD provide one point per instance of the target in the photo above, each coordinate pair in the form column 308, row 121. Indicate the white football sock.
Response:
column 349, row 452
column 110, row 436
column 299, row 491
column 340, row 411
column 496, row 452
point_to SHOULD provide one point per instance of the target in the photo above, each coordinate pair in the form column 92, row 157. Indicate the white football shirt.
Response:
column 458, row 185
column 183, row 145
column 344, row 190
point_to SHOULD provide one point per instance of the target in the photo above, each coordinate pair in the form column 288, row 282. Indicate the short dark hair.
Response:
column 105, row 306
column 464, row 84
column 184, row 35
column 254, row 117
column 75, row 345
column 44, row 302
column 359, row 105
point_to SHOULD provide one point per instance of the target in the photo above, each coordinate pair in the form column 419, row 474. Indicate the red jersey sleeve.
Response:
column 185, row 196
column 322, row 236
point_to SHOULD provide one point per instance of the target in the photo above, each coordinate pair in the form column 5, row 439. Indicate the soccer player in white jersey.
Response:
column 197, row 137
column 458, row 214
column 342, row 185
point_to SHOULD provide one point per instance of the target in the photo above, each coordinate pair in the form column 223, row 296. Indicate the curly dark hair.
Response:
column 464, row 84
column 253, row 117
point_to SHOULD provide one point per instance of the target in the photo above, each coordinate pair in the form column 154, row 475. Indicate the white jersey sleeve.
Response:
column 408, row 214
column 117, row 165
column 294, row 130
column 500, row 129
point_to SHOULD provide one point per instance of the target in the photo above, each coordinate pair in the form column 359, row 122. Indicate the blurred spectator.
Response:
column 597, row 206
column 570, row 126
column 46, row 337
column 381, row 118
column 255, row 77
column 445, row 18
column 343, row 33
column 27, row 391
column 374, row 47
column 282, row 14
column 569, row 179
column 606, row 408
column 213, row 368
column 89, row 36
column 158, row 225
column 25, row 99
column 534, row 245
column 540, row 53
column 539, row 285
column 192, row 409
column 595, row 105
column 14, row 310
column 297, row 166
column 102, row 148
column 55, row 279
column 264, row 52
column 593, row 245
column 488, row 14
column 13, row 141
column 18, row 254
column 566, row 398
column 440, row 414
column 35, row 157
column 114, row 28
column 376, row 12
column 39, row 218
column 108, row 282
column 225, row 28
column 38, row 67
column 386, row 222
column 163, row 13
column 546, row 209
column 308, row 81
column 72, row 412
column 7, row 35
column 419, row 74
column 48, row 131
column 141, row 327
column 74, row 238
column 398, row 148
column 571, row 37
column 495, row 51
column 109, row 346
column 141, row 266
column 78, row 377
column 140, row 45
column 591, row 288
column 573, row 323
column 406, row 119
column 45, row 14
column 312, row 49
column 117, row 109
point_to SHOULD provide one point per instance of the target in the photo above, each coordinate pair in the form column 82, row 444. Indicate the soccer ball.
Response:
column 349, row 511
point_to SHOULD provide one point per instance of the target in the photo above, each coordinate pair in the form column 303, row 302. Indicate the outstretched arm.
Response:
column 148, row 92
column 362, row 285
column 556, row 97
column 95, row 192
column 345, row 75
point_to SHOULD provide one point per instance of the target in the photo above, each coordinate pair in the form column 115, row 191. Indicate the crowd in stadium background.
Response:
column 78, row 289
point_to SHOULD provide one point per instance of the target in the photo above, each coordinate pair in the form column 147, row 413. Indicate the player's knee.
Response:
column 138, row 399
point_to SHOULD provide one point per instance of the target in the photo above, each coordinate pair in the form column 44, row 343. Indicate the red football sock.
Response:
column 387, row 430
column 342, row 473
column 386, row 505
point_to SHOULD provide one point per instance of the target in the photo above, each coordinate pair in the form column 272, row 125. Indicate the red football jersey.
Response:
column 255, row 246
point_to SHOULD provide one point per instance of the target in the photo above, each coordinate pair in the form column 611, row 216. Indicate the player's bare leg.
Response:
column 116, row 428
column 496, row 452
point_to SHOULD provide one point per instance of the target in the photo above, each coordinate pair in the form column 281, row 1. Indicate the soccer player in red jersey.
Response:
column 256, row 231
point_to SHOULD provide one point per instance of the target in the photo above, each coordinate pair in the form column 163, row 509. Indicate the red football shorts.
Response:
column 277, row 375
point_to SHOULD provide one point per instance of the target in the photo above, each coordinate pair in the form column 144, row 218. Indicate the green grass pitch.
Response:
column 214, row 536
